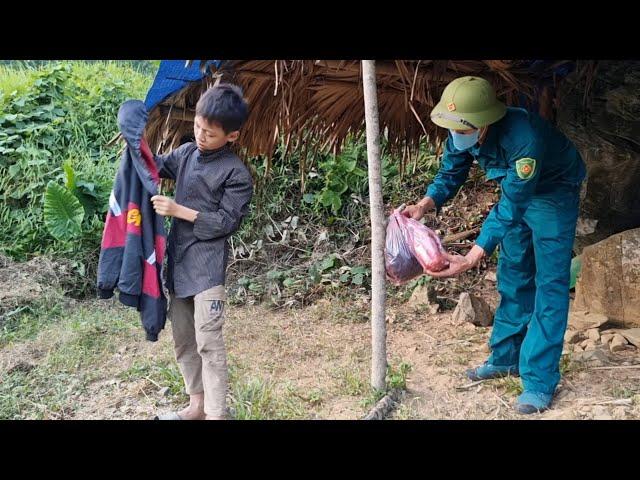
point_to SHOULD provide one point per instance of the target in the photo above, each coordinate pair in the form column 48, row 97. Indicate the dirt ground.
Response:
column 314, row 363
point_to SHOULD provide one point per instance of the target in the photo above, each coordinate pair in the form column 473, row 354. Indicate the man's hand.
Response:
column 420, row 209
column 164, row 205
column 459, row 263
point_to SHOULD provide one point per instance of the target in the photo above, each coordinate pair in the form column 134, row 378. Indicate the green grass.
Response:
column 397, row 375
column 351, row 381
column 73, row 351
column 258, row 399
column 13, row 79
column 623, row 392
column 512, row 385
column 28, row 321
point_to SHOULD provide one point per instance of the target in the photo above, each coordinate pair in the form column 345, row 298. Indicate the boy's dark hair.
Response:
column 225, row 105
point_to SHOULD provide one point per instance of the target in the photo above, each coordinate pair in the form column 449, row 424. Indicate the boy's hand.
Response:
column 164, row 205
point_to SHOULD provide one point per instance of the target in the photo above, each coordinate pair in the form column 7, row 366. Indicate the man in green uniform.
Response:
column 540, row 173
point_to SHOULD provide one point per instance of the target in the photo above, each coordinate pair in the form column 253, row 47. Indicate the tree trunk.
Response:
column 376, row 206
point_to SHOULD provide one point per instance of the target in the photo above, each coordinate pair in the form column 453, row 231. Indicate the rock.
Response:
column 572, row 336
column 584, row 343
column 424, row 295
column 164, row 391
column 604, row 416
column 609, row 281
column 433, row 308
column 632, row 335
column 618, row 343
column 584, row 320
column 601, row 413
column 560, row 415
column 593, row 357
column 577, row 348
column 468, row 327
column 491, row 277
column 619, row 413
column 606, row 338
column 602, row 132
column 473, row 310
column 591, row 345
column 593, row 334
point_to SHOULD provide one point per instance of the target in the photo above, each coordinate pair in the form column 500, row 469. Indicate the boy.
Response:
column 212, row 195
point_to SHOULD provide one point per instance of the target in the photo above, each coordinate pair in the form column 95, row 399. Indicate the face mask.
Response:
column 464, row 142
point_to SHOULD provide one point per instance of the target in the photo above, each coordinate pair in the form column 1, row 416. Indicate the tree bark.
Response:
column 376, row 206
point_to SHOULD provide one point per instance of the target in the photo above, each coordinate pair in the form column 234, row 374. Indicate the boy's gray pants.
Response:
column 197, row 333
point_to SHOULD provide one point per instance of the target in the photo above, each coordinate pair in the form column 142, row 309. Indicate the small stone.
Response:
column 619, row 413
column 164, row 391
column 593, row 334
column 491, row 277
column 591, row 345
column 584, row 343
column 593, row 357
column 472, row 309
column 578, row 348
column 423, row 295
column 560, row 415
column 618, row 343
column 469, row 327
column 606, row 338
column 601, row 413
column 572, row 336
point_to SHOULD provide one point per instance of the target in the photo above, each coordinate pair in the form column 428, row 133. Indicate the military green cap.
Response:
column 468, row 102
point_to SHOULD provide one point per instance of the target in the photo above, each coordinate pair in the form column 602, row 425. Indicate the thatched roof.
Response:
column 318, row 103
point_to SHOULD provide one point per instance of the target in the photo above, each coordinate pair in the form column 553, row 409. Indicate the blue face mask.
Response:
column 464, row 142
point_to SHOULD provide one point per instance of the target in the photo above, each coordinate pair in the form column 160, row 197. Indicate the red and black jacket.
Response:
column 134, row 237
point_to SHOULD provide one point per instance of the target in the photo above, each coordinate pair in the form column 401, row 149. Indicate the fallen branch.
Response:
column 618, row 401
column 459, row 236
column 503, row 402
column 470, row 385
column 615, row 367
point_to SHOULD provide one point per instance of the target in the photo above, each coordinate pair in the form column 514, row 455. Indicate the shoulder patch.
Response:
column 526, row 168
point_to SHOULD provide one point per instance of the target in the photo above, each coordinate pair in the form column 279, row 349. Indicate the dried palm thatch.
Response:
column 316, row 104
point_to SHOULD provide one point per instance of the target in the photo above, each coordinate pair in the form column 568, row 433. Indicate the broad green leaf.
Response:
column 63, row 213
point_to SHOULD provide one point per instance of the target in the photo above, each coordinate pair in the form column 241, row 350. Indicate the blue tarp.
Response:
column 172, row 76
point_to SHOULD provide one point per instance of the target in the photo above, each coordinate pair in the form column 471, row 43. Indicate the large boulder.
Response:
column 609, row 283
column 598, row 108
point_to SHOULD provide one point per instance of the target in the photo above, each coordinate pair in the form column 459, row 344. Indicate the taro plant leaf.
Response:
column 63, row 213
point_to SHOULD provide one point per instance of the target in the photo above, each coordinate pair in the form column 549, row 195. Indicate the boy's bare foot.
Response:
column 191, row 413
column 195, row 410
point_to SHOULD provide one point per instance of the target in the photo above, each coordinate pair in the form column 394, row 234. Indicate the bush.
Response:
column 54, row 123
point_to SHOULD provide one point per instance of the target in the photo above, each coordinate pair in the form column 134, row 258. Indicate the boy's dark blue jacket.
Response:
column 134, row 237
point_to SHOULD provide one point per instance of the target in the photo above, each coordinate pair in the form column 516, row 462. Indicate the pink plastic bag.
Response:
column 411, row 248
